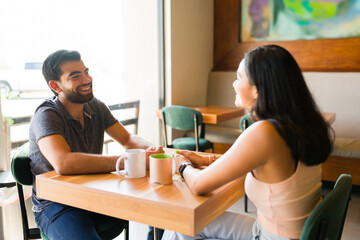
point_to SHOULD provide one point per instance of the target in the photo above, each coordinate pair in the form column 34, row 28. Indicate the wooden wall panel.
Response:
column 323, row 55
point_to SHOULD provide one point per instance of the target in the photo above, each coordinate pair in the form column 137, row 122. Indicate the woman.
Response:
column 280, row 154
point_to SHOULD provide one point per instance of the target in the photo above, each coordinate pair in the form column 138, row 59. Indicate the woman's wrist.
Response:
column 211, row 159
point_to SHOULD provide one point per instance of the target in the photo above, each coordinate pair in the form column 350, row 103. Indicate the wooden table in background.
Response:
column 215, row 114
column 172, row 206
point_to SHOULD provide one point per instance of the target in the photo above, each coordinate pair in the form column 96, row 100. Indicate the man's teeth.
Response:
column 85, row 88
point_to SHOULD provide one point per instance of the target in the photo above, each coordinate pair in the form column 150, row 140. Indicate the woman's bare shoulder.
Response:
column 262, row 128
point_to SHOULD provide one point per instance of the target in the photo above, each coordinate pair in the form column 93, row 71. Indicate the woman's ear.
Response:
column 55, row 86
column 255, row 93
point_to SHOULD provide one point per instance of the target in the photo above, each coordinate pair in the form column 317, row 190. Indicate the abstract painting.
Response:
column 286, row 20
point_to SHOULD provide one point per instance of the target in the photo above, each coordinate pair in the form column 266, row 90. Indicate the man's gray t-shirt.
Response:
column 51, row 118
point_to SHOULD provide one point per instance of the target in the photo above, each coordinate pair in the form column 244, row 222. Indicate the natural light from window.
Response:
column 118, row 41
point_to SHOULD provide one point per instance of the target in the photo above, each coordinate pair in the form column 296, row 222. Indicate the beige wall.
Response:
column 339, row 93
column 333, row 92
column 191, row 51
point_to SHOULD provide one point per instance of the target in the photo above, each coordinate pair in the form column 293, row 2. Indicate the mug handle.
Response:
column 173, row 166
column 122, row 158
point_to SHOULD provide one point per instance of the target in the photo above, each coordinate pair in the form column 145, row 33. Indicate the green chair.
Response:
column 327, row 219
column 245, row 122
column 185, row 119
column 20, row 168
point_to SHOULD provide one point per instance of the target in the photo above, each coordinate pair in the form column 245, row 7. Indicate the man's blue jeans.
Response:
column 59, row 221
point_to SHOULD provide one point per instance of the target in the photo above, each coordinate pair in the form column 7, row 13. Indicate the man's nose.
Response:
column 87, row 78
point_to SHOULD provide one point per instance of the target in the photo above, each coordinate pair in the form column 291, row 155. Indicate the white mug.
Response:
column 134, row 163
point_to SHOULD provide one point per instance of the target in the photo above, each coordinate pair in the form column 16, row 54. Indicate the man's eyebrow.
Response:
column 74, row 73
column 77, row 72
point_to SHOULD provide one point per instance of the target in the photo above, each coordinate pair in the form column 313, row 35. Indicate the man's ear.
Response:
column 55, row 86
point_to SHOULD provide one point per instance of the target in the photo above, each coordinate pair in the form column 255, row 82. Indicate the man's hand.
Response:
column 150, row 151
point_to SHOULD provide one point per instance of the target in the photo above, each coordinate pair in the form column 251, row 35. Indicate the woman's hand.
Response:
column 179, row 159
column 197, row 160
column 150, row 151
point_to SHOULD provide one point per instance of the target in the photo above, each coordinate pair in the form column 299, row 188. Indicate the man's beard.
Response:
column 76, row 97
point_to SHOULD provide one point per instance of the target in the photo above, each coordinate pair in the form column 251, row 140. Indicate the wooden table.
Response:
column 172, row 207
column 215, row 114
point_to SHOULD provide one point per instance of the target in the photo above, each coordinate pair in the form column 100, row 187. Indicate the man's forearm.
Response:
column 82, row 163
column 136, row 141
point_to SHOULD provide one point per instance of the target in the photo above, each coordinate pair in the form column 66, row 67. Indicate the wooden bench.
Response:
column 222, row 137
column 345, row 158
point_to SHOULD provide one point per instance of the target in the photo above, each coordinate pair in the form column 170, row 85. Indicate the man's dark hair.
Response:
column 51, row 66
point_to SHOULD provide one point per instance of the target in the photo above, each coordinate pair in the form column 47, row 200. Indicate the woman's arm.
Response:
column 249, row 152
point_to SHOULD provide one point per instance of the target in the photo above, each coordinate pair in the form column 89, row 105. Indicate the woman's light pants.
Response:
column 229, row 226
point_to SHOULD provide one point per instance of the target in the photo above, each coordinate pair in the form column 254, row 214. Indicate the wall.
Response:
column 2, row 142
column 191, row 82
column 191, row 47
column 333, row 92
column 141, row 65
column 339, row 93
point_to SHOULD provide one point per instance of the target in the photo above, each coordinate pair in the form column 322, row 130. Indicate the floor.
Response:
column 351, row 230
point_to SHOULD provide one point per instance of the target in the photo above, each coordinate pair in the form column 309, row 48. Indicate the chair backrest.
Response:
column 181, row 118
column 327, row 219
column 20, row 166
column 245, row 122
column 122, row 111
column 135, row 105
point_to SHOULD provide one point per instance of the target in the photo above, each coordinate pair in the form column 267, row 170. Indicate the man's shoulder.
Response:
column 49, row 103
column 50, row 108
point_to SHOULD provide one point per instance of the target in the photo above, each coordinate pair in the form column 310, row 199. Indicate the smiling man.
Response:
column 67, row 135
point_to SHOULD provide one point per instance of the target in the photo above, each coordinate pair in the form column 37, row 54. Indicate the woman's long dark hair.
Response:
column 285, row 101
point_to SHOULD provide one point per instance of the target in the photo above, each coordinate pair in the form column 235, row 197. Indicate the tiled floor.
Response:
column 351, row 229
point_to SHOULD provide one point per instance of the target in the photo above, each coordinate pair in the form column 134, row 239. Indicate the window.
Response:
column 118, row 41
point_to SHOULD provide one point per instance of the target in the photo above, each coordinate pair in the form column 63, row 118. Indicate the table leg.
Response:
column 156, row 233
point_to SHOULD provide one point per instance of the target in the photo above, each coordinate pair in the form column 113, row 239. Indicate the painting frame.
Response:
column 320, row 55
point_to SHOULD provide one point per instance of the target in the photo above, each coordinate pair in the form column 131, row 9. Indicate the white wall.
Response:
column 2, row 141
column 191, row 50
